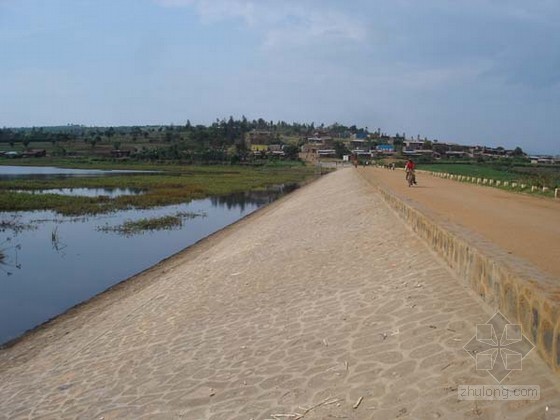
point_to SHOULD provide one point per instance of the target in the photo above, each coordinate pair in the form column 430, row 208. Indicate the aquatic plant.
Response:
column 178, row 184
column 12, row 223
column 132, row 227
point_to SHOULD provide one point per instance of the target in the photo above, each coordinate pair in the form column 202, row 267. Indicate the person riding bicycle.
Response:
column 409, row 169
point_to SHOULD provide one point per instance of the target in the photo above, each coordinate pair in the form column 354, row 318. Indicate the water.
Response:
column 86, row 192
column 11, row 172
column 66, row 260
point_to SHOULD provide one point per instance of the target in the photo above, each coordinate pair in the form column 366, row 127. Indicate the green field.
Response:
column 548, row 176
column 173, row 184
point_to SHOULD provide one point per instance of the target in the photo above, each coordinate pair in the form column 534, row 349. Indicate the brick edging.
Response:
column 521, row 292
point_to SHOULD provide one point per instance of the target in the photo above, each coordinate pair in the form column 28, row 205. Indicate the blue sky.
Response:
column 470, row 71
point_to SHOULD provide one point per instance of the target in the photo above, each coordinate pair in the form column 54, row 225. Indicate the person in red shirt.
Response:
column 409, row 168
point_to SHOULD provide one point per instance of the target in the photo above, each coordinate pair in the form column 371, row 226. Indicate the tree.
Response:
column 398, row 144
column 291, row 151
column 340, row 149
column 95, row 140
column 518, row 152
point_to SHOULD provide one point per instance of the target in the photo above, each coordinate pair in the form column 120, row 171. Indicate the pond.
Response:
column 86, row 192
column 58, row 262
column 11, row 172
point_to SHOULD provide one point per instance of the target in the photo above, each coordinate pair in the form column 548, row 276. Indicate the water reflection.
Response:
column 42, row 172
column 63, row 261
column 56, row 242
column 255, row 197
column 9, row 256
column 87, row 192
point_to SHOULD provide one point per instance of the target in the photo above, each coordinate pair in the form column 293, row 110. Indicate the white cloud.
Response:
column 282, row 23
column 312, row 27
column 211, row 11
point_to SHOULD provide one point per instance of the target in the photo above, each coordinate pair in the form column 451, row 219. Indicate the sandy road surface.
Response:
column 527, row 227
column 321, row 306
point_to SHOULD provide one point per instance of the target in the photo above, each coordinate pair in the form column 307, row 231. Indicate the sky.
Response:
column 466, row 71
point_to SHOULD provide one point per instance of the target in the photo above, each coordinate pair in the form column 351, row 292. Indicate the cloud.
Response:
column 211, row 11
column 282, row 24
column 303, row 27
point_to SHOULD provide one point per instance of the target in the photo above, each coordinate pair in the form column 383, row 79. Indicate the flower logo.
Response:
column 499, row 355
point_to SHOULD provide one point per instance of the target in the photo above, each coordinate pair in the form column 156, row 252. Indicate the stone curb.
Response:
column 519, row 290
column 511, row 186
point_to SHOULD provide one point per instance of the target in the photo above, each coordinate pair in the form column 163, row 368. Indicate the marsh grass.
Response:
column 12, row 223
column 132, row 227
column 172, row 185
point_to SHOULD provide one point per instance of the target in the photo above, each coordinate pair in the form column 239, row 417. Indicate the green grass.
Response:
column 479, row 171
column 173, row 185
column 538, row 176
column 530, row 175
column 131, row 227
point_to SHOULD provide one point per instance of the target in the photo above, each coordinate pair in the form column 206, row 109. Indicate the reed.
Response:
column 170, row 185
column 132, row 227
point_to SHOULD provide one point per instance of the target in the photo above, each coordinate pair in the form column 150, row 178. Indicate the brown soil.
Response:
column 526, row 227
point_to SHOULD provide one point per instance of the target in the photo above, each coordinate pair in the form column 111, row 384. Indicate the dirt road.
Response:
column 527, row 227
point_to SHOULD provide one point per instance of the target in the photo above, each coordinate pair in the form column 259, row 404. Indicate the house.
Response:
column 362, row 154
column 34, row 153
column 318, row 143
column 12, row 155
column 259, row 148
column 360, row 135
column 310, row 148
column 455, row 154
column 411, row 153
column 543, row 160
column 357, row 143
column 323, row 141
column 120, row 153
column 386, row 149
column 275, row 148
column 326, row 153
column 412, row 145
column 429, row 153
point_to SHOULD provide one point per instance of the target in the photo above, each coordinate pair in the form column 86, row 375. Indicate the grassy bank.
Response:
column 173, row 184
column 531, row 175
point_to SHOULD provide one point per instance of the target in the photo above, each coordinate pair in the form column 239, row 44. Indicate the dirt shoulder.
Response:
column 526, row 227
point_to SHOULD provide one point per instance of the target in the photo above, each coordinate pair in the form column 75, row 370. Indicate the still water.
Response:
column 62, row 261
column 10, row 172
column 86, row 192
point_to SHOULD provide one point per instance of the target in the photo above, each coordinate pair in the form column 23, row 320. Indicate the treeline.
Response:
column 224, row 132
column 222, row 141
